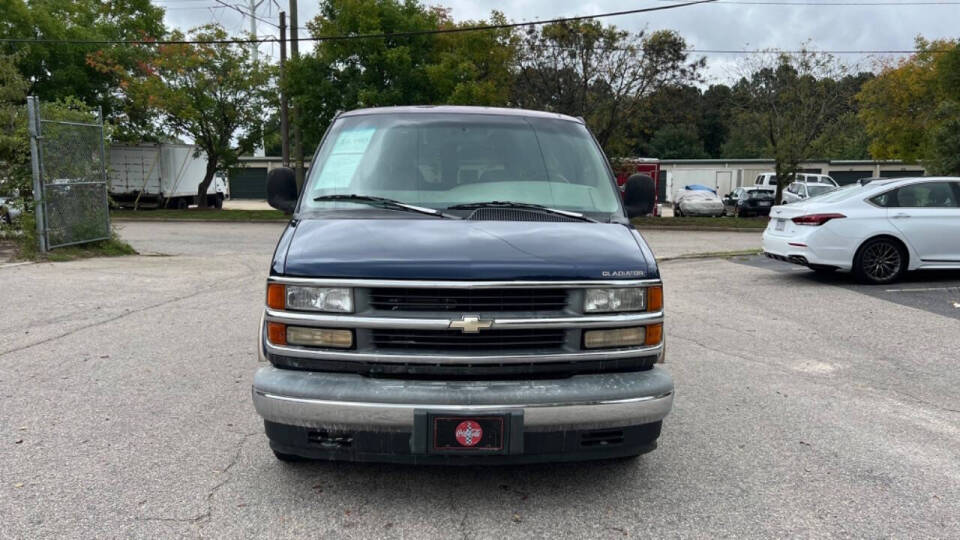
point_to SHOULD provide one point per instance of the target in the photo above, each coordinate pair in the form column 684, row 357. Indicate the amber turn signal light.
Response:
column 277, row 333
column 655, row 298
column 275, row 296
column 654, row 334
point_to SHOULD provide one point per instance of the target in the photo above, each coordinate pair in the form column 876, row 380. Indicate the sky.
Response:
column 719, row 25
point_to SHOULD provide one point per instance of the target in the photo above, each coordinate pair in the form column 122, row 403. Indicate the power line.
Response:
column 246, row 13
column 349, row 37
column 841, row 4
column 777, row 51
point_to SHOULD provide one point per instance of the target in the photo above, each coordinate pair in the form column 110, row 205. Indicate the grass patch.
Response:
column 113, row 247
column 28, row 250
column 702, row 222
column 201, row 215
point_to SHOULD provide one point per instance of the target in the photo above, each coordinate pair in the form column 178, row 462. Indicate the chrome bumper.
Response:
column 346, row 401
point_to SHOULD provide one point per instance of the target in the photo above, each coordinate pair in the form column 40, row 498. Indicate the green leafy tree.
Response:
column 211, row 92
column 793, row 99
column 56, row 71
column 911, row 108
column 677, row 141
column 14, row 145
column 339, row 75
column 600, row 73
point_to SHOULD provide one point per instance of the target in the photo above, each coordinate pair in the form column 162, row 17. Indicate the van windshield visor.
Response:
column 442, row 160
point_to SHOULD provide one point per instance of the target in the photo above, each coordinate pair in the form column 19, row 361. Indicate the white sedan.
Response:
column 878, row 231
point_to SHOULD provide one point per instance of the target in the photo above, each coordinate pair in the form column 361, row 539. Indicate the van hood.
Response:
column 461, row 250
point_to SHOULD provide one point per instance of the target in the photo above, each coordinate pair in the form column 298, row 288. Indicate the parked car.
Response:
column 460, row 285
column 698, row 202
column 878, row 231
column 749, row 201
column 799, row 191
column 769, row 179
column 699, row 187
column 9, row 208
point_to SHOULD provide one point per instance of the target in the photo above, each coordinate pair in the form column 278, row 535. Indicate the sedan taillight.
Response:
column 816, row 220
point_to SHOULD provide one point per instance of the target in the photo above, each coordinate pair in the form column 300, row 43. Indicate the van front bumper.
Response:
column 351, row 417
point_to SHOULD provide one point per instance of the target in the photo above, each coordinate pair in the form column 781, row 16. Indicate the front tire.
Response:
column 880, row 261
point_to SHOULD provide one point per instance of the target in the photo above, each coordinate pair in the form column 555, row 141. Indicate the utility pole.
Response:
column 284, row 109
column 255, row 47
column 295, row 54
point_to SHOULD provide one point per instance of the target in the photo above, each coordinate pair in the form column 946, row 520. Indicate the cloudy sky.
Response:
column 722, row 25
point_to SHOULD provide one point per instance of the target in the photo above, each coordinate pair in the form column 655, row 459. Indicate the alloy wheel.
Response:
column 882, row 261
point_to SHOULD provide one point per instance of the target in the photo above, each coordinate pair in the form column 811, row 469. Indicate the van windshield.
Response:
column 441, row 160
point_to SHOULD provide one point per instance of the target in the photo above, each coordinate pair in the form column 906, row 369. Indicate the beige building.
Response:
column 725, row 175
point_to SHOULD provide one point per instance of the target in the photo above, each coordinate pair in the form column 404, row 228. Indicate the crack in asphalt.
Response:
column 193, row 293
column 205, row 516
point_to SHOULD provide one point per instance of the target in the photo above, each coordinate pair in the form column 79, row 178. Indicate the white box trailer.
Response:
column 161, row 175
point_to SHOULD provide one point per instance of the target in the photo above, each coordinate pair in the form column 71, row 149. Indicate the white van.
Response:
column 769, row 179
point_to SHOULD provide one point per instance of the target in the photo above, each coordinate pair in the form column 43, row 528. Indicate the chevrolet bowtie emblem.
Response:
column 471, row 324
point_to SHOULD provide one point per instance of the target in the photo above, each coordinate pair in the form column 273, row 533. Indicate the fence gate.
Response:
column 69, row 178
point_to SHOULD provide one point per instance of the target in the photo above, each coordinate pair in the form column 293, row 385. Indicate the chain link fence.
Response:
column 69, row 178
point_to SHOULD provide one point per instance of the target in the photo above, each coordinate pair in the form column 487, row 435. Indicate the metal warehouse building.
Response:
column 725, row 175
column 250, row 180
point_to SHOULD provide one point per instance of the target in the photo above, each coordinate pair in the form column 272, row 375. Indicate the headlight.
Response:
column 335, row 300
column 628, row 299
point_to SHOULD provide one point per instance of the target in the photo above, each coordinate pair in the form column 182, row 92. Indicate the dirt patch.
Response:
column 8, row 251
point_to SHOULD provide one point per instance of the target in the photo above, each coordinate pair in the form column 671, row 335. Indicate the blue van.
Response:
column 461, row 285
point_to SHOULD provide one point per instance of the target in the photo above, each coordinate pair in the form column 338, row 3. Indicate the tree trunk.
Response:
column 205, row 184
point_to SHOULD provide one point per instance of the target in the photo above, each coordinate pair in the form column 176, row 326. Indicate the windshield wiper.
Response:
column 530, row 206
column 382, row 202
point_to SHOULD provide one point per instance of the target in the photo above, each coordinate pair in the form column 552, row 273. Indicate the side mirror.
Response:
column 639, row 195
column 282, row 189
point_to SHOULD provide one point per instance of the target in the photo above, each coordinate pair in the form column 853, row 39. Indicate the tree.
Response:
column 677, row 141
column 793, row 99
column 14, row 145
column 459, row 68
column 57, row 71
column 211, row 92
column 600, row 73
column 911, row 108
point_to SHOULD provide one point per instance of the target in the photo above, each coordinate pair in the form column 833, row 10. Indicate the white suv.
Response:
column 769, row 179
column 799, row 191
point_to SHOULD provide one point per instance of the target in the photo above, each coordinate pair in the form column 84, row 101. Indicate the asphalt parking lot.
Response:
column 806, row 406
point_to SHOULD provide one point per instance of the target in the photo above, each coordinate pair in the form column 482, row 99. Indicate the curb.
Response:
column 174, row 220
column 721, row 255
column 697, row 229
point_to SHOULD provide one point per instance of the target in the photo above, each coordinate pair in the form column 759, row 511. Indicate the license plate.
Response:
column 781, row 224
column 468, row 434
column 764, row 203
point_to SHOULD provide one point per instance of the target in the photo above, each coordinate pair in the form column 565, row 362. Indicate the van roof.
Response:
column 459, row 109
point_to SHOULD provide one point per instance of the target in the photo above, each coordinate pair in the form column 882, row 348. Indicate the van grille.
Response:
column 451, row 340
column 465, row 300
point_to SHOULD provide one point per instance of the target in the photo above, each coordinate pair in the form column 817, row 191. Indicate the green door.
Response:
column 248, row 183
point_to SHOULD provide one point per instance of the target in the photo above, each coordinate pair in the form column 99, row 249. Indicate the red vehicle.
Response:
column 624, row 167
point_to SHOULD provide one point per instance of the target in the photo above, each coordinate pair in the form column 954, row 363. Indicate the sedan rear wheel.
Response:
column 880, row 261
